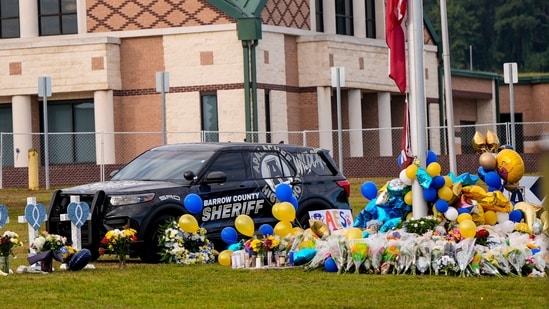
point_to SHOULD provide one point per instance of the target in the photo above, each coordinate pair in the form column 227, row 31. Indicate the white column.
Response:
column 355, row 122
column 359, row 18
column 22, row 129
column 328, row 7
column 380, row 19
column 312, row 14
column 385, row 131
column 28, row 19
column 81, row 16
column 324, row 98
column 104, row 126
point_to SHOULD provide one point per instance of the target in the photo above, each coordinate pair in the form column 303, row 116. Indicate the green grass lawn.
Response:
column 215, row 286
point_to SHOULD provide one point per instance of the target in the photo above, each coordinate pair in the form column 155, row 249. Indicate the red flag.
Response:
column 394, row 36
column 406, row 155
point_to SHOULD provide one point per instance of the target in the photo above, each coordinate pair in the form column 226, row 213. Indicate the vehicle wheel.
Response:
column 150, row 251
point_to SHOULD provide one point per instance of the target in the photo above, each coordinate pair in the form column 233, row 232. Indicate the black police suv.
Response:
column 230, row 178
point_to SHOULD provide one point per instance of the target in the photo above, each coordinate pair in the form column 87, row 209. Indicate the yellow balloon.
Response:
column 296, row 230
column 448, row 181
column 467, row 228
column 464, row 216
column 245, row 225
column 411, row 171
column 445, row 193
column 224, row 257
column 490, row 217
column 433, row 169
column 286, row 212
column 276, row 210
column 353, row 233
column 510, row 165
column 408, row 198
column 283, row 228
column 409, row 216
column 188, row 223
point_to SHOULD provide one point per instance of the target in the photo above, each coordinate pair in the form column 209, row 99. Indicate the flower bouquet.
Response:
column 8, row 241
column 407, row 255
column 423, row 255
column 118, row 242
column 263, row 248
column 390, row 257
column 359, row 252
column 181, row 247
column 47, row 247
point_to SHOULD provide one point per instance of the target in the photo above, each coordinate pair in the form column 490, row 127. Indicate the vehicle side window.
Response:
column 315, row 163
column 233, row 164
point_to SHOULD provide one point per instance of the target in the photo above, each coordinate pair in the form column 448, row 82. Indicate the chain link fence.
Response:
column 78, row 158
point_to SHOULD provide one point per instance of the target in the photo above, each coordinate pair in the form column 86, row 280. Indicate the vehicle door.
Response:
column 224, row 201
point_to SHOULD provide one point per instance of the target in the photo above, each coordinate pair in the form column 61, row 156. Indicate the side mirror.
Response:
column 189, row 175
column 215, row 177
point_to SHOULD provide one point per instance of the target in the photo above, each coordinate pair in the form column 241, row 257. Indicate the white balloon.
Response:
column 507, row 226
column 407, row 181
column 502, row 216
column 451, row 214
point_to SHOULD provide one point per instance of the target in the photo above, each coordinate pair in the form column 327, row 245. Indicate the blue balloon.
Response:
column 266, row 229
column 464, row 210
column 294, row 202
column 430, row 194
column 229, row 235
column 330, row 265
column 399, row 160
column 369, row 190
column 481, row 173
column 441, row 206
column 438, row 182
column 283, row 192
column 431, row 157
column 193, row 203
column 492, row 179
column 516, row 215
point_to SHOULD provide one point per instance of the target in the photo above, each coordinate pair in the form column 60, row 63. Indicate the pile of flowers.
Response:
column 181, row 247
column 8, row 241
column 118, row 241
column 46, row 241
column 491, row 252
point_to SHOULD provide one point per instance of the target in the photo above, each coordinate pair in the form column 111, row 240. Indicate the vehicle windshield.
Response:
column 167, row 165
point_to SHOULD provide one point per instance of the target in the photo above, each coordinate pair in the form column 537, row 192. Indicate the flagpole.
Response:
column 448, row 88
column 417, row 99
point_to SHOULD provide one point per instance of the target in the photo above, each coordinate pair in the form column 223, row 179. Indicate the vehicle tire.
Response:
column 150, row 250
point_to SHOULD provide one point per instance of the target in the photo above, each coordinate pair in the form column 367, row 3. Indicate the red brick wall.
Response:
column 107, row 15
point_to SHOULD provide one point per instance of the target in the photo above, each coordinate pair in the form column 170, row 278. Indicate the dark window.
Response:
column 467, row 131
column 319, row 15
column 232, row 164
column 268, row 115
column 71, row 128
column 9, row 19
column 210, row 124
column 370, row 19
column 6, row 140
column 504, row 133
column 344, row 17
column 57, row 17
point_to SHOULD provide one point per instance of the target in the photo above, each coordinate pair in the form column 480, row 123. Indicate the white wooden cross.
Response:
column 76, row 222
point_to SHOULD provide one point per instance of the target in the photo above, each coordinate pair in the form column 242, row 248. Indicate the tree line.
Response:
column 495, row 32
